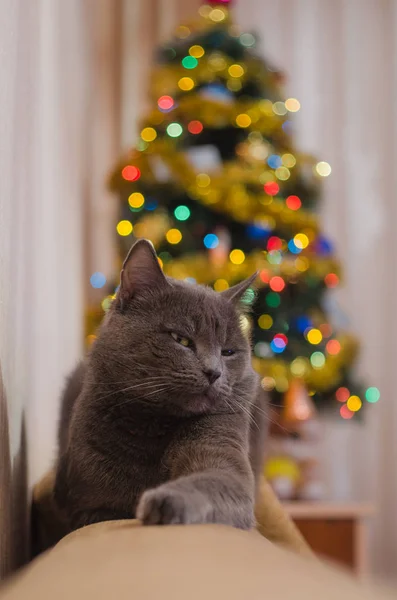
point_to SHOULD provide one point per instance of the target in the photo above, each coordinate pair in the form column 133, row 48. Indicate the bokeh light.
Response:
column 318, row 360
column 182, row 212
column 271, row 188
column 196, row 51
column 203, row 180
column 97, row 280
column 186, row 84
column 195, row 127
column 237, row 257
column 124, row 228
column 273, row 299
column 211, row 241
column 165, row 103
column 221, row 285
column 173, row 236
column 333, row 347
column 293, row 202
column 265, row 321
column 292, row 105
column 331, row 280
column 372, row 395
column 277, row 283
column 247, row 39
column 345, row 413
column 314, row 336
column 323, row 169
column 136, row 200
column 174, row 130
column 148, row 134
column 243, row 120
column 189, row 62
column 236, row 71
column 354, row 403
column 342, row 394
column 130, row 173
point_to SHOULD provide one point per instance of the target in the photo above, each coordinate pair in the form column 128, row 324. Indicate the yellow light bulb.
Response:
column 354, row 403
column 196, row 51
column 314, row 336
column 221, row 285
column 136, row 200
column 173, row 236
column 124, row 228
column 237, row 257
column 243, row 120
column 148, row 134
column 236, row 71
column 186, row 84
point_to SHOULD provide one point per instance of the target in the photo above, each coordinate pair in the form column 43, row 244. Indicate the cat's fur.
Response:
column 152, row 428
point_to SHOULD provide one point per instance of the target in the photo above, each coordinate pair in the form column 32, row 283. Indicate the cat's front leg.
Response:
column 208, row 497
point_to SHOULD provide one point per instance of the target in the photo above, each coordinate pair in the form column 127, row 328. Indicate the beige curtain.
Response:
column 340, row 62
column 57, row 131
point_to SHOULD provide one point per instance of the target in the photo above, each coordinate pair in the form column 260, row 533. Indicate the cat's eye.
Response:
column 183, row 341
column 227, row 352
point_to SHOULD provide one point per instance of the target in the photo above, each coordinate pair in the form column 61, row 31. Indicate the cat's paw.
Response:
column 168, row 505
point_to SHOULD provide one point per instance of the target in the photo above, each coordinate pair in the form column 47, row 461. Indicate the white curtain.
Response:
column 53, row 101
column 340, row 62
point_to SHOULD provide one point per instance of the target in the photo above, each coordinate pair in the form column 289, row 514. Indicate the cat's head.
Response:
column 170, row 343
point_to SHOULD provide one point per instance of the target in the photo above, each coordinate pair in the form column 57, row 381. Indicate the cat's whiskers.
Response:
column 147, row 385
column 128, row 400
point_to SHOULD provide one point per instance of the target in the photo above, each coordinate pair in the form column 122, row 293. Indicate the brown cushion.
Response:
column 121, row 560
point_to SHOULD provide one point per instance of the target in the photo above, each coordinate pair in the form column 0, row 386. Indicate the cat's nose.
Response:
column 212, row 375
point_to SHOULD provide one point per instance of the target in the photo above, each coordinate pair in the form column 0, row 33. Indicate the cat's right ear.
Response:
column 140, row 270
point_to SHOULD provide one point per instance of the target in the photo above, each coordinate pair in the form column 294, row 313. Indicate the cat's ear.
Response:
column 140, row 270
column 235, row 293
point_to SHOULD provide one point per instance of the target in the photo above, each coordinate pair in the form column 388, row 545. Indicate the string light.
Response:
column 268, row 384
column 354, row 403
column 265, row 321
column 271, row 188
column 182, row 213
column 237, row 257
column 221, row 285
column 273, row 299
column 173, row 236
column 243, row 120
column 136, row 200
column 124, row 228
column 195, row 127
column 293, row 202
column 345, row 413
column 247, row 39
column 318, row 360
column 333, row 347
column 277, row 284
column 288, row 160
column 342, row 394
column 148, row 134
column 217, row 15
column 203, row 180
column 314, row 336
column 301, row 240
column 331, row 280
column 323, row 169
column 211, row 241
column 292, row 105
column 186, row 84
column 189, row 62
column 196, row 51
column 165, row 103
column 279, row 108
column 97, row 280
column 130, row 173
column 372, row 395
column 236, row 71
column 174, row 130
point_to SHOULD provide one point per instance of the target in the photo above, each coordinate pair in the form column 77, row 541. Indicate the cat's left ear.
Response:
column 235, row 293
column 140, row 270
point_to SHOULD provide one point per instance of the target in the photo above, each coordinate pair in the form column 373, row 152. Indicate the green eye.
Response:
column 183, row 341
column 227, row 352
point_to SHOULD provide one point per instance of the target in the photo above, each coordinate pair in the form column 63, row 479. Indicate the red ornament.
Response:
column 130, row 173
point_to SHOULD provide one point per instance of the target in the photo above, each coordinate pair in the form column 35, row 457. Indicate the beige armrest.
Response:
column 120, row 560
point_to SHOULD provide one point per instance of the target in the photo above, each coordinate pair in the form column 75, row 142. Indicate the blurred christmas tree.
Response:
column 216, row 183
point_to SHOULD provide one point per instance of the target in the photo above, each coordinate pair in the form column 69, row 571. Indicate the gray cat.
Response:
column 165, row 420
